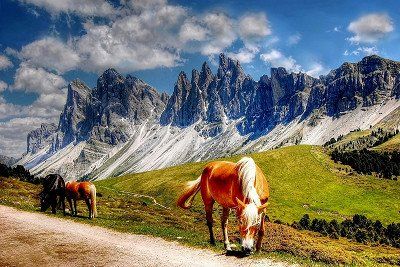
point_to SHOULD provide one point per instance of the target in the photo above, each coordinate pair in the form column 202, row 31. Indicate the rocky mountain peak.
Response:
column 40, row 137
column 110, row 76
column 229, row 67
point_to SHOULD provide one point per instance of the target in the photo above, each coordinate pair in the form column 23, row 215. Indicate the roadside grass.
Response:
column 302, row 180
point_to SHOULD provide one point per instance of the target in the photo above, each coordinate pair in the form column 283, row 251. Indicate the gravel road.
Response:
column 35, row 239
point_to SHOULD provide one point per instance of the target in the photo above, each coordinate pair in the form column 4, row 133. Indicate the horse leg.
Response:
column 70, row 205
column 54, row 204
column 89, row 207
column 224, row 226
column 75, row 208
column 210, row 221
column 63, row 203
column 261, row 233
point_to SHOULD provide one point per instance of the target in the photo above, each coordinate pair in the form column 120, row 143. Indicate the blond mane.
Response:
column 247, row 174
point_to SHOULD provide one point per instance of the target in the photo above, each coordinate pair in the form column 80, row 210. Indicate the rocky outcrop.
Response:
column 230, row 94
column 365, row 83
column 280, row 98
column 107, row 112
column 8, row 161
column 41, row 137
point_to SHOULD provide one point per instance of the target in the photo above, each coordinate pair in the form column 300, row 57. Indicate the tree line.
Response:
column 18, row 172
column 375, row 138
column 359, row 229
column 386, row 165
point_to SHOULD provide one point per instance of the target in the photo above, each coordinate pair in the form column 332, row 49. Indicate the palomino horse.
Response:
column 81, row 190
column 241, row 186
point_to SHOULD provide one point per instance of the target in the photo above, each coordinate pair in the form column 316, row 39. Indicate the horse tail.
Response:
column 246, row 169
column 186, row 199
column 93, row 200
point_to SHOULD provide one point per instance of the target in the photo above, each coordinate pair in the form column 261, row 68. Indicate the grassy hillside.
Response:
column 392, row 144
column 302, row 180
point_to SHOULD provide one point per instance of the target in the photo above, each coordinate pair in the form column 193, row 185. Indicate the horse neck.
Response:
column 247, row 174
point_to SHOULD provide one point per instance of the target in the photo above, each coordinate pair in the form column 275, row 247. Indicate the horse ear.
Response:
column 262, row 207
column 240, row 203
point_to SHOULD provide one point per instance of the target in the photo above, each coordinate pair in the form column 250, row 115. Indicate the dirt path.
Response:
column 34, row 239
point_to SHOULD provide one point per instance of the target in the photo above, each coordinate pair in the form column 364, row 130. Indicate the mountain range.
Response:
column 124, row 125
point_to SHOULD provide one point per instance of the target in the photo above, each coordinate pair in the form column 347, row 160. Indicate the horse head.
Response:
column 44, row 201
column 249, row 222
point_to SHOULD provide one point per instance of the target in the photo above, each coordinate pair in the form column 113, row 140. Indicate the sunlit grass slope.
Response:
column 393, row 144
column 302, row 180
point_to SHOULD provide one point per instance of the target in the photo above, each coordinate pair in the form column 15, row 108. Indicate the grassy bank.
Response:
column 302, row 180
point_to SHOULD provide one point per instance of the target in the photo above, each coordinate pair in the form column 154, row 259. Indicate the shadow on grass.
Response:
column 236, row 253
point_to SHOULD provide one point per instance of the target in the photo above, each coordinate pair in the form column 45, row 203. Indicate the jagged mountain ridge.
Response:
column 124, row 120
column 8, row 161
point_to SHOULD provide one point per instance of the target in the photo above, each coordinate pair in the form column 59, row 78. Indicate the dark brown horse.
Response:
column 53, row 193
column 81, row 191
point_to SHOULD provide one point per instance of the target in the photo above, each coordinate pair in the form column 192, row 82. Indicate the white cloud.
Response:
column 221, row 33
column 80, row 7
column 294, row 39
column 13, row 134
column 38, row 80
column 336, row 29
column 191, row 31
column 3, row 86
column 316, row 70
column 145, row 34
column 245, row 54
column 276, row 59
column 50, row 53
column 53, row 102
column 18, row 120
column 254, row 26
column 370, row 28
column 364, row 50
column 5, row 62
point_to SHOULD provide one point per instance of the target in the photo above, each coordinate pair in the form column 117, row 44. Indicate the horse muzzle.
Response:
column 247, row 251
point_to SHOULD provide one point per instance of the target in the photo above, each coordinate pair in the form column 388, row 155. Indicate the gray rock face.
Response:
column 41, row 137
column 76, row 120
column 209, row 97
column 8, row 161
column 230, row 94
column 107, row 112
column 365, row 83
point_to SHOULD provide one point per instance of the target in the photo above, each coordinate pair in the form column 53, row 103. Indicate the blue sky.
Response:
column 44, row 44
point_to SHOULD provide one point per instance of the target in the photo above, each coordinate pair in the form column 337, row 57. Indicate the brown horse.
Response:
column 241, row 186
column 81, row 191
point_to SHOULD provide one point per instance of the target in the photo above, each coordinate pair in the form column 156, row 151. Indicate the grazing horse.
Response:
column 81, row 191
column 241, row 186
column 53, row 193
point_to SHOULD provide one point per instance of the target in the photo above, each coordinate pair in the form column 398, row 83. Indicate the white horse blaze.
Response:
column 248, row 242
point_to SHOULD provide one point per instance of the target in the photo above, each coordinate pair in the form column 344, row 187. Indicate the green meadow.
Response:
column 303, row 179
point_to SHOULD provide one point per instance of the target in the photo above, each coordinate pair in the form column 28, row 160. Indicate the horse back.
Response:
column 220, row 182
column 78, row 190
column 53, row 183
column 261, row 185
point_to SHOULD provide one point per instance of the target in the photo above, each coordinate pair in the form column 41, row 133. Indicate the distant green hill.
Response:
column 392, row 144
column 303, row 179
